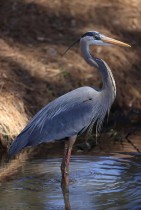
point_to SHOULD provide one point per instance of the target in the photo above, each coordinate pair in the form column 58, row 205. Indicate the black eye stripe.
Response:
column 96, row 35
column 88, row 34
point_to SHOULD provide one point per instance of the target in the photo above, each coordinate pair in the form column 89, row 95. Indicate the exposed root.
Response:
column 130, row 142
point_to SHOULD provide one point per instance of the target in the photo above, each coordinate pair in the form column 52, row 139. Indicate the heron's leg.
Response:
column 66, row 200
column 65, row 162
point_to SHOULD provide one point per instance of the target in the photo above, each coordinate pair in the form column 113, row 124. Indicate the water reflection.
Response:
column 102, row 182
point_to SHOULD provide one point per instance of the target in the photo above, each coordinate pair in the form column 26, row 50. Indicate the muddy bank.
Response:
column 33, row 36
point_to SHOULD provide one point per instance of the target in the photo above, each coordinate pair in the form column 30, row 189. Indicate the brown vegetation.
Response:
column 33, row 34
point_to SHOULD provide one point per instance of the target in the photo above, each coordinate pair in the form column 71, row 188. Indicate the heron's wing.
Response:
column 64, row 117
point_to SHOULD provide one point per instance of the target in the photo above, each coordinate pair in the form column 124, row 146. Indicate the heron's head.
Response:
column 96, row 38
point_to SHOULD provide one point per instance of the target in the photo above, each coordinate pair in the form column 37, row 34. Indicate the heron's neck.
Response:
column 109, row 86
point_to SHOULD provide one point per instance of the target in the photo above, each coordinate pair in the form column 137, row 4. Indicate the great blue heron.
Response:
column 73, row 113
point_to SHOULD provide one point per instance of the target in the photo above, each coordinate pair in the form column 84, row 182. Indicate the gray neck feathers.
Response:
column 109, row 86
column 108, row 92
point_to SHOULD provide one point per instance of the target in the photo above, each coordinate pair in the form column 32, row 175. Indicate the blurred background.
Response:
column 33, row 36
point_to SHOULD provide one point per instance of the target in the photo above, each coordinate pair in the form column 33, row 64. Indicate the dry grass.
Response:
column 12, row 118
column 32, row 37
column 32, row 72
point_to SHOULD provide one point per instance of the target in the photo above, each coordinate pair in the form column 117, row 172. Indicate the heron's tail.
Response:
column 19, row 143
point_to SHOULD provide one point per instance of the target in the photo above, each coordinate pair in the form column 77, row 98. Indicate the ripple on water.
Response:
column 102, row 182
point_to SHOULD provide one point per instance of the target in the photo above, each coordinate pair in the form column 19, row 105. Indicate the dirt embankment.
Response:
column 33, row 34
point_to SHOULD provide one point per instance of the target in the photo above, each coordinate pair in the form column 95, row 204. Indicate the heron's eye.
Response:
column 97, row 37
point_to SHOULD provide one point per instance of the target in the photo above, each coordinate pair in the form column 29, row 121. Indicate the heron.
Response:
column 74, row 112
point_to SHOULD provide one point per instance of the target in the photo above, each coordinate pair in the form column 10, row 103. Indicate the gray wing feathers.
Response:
column 64, row 117
column 20, row 142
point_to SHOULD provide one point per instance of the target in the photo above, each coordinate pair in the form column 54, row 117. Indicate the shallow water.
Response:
column 110, row 182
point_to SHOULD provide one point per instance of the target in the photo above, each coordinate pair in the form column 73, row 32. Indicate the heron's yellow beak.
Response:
column 114, row 41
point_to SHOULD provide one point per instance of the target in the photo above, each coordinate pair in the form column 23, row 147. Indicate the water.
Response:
column 110, row 182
